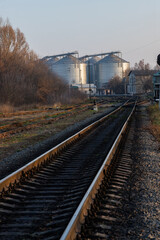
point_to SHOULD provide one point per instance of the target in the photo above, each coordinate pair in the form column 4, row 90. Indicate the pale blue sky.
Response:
column 88, row 26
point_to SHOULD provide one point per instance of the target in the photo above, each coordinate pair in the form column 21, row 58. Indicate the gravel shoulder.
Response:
column 19, row 159
column 140, row 212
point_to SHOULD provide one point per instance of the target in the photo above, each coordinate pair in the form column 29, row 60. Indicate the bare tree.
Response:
column 148, row 85
column 24, row 79
column 116, row 85
column 141, row 66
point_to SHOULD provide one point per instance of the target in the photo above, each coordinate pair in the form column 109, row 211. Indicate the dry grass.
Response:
column 39, row 125
column 154, row 113
column 6, row 108
column 21, row 140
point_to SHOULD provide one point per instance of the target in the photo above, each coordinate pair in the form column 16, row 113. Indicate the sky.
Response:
column 89, row 26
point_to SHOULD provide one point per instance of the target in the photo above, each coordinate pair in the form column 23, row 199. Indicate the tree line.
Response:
column 24, row 79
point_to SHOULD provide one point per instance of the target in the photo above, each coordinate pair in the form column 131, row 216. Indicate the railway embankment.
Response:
column 136, row 214
column 20, row 158
column 140, row 212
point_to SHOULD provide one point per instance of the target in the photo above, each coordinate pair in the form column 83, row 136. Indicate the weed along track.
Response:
column 39, row 200
column 21, row 126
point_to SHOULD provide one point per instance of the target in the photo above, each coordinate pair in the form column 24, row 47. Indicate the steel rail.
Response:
column 78, row 218
column 16, row 175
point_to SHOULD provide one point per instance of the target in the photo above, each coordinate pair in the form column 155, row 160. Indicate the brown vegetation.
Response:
column 116, row 85
column 24, row 79
column 154, row 113
column 21, row 131
column 144, row 75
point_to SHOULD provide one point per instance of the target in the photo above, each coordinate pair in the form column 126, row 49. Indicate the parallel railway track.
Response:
column 19, row 125
column 47, row 192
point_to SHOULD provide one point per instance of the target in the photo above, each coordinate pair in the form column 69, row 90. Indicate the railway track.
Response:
column 49, row 117
column 103, row 217
column 38, row 201
column 20, row 126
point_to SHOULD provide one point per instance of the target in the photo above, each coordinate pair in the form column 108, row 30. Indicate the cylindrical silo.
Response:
column 109, row 67
column 91, row 69
column 50, row 61
column 68, row 68
column 83, row 73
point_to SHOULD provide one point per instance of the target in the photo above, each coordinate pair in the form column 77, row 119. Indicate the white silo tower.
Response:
column 68, row 68
column 91, row 69
column 109, row 67
column 82, row 73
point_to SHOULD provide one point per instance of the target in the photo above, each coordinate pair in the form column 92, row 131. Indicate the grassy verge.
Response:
column 26, row 128
column 154, row 113
column 19, row 141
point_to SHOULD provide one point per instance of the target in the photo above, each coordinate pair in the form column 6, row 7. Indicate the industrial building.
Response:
column 94, row 70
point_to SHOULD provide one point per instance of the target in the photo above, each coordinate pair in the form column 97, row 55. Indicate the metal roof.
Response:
column 111, row 58
column 69, row 59
column 144, row 72
column 100, row 54
column 51, row 61
column 61, row 55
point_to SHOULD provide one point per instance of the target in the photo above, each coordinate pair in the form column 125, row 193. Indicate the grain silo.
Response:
column 109, row 67
column 91, row 69
column 50, row 61
column 83, row 73
column 71, row 69
column 68, row 69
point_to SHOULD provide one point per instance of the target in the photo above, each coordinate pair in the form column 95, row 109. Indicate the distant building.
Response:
column 137, row 80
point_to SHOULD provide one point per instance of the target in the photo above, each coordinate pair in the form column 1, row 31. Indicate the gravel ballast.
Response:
column 140, row 211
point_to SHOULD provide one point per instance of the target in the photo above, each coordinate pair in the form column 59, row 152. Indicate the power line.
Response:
column 146, row 45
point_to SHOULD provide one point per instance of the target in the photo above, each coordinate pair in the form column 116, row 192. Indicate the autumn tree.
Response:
column 24, row 79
